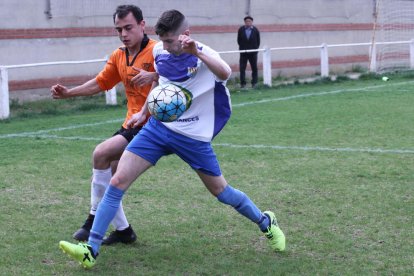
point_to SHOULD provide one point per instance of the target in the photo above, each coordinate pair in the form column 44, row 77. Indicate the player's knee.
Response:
column 115, row 180
column 118, row 181
column 217, row 190
column 99, row 154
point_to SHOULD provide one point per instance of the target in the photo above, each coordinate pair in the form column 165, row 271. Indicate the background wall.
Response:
column 34, row 31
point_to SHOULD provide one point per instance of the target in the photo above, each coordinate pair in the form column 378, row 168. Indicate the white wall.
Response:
column 30, row 14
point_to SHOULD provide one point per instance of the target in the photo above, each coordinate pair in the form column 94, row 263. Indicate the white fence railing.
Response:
column 4, row 82
column 267, row 66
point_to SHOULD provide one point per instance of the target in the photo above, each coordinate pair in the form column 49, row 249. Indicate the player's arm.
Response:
column 140, row 117
column 89, row 88
column 216, row 65
column 143, row 77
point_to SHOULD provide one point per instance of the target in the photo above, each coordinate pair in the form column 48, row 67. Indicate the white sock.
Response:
column 100, row 181
column 120, row 221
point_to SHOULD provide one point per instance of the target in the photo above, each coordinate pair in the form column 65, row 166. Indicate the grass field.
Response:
column 334, row 160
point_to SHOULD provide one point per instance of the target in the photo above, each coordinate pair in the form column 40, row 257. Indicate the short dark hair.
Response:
column 169, row 22
column 123, row 10
column 248, row 17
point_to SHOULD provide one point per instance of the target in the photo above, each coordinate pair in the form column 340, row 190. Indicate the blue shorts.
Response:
column 155, row 140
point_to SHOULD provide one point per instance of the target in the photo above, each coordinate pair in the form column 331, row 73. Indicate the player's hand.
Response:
column 136, row 119
column 143, row 77
column 188, row 44
column 59, row 91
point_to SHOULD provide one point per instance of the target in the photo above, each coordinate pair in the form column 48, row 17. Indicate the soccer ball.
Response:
column 168, row 102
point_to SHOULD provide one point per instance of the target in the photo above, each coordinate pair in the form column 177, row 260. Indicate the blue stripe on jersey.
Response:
column 222, row 107
column 175, row 68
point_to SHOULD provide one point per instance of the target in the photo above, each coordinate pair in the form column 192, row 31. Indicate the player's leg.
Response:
column 101, row 175
column 242, row 68
column 103, row 161
column 123, row 231
column 129, row 168
column 226, row 194
column 201, row 157
column 114, row 165
column 124, row 234
column 141, row 153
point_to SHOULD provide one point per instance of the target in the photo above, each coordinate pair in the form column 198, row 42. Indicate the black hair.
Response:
column 169, row 22
column 123, row 10
column 248, row 17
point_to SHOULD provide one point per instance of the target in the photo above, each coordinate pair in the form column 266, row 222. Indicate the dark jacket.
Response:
column 246, row 44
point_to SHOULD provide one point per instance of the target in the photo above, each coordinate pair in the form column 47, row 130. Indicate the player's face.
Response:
column 130, row 32
column 171, row 43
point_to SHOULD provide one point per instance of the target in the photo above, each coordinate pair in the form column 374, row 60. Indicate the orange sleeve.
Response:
column 109, row 76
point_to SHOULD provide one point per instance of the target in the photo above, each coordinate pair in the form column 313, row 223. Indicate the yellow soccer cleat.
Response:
column 81, row 252
column 275, row 235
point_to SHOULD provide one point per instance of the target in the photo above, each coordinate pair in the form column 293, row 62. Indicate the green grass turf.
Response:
column 335, row 161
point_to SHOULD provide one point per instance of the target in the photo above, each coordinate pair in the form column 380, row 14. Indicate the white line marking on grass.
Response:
column 305, row 148
column 273, row 147
column 80, row 138
column 361, row 89
column 37, row 133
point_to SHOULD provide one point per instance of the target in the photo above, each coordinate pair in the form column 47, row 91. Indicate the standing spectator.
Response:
column 248, row 38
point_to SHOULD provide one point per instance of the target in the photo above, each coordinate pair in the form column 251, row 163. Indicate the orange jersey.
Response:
column 119, row 68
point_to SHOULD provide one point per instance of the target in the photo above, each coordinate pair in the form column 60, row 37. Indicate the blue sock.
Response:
column 107, row 209
column 264, row 223
column 242, row 203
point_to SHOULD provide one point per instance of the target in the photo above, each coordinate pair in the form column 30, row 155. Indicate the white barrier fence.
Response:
column 267, row 67
column 4, row 83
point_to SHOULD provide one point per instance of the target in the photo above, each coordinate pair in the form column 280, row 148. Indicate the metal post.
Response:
column 267, row 67
column 48, row 10
column 4, row 94
column 111, row 96
column 412, row 54
column 324, row 61
column 373, row 58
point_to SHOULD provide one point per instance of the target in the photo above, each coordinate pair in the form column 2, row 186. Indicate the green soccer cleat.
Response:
column 81, row 252
column 276, row 237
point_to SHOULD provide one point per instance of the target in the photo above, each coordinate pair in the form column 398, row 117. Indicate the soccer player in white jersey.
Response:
column 190, row 64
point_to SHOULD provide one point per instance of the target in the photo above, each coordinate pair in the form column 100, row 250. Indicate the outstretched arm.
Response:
column 89, row 88
column 216, row 65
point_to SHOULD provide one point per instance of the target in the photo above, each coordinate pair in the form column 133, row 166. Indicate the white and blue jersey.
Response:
column 211, row 106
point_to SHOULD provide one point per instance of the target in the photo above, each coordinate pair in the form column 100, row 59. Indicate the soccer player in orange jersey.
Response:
column 133, row 65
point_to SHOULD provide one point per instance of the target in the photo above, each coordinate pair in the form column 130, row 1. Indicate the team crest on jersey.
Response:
column 146, row 66
column 192, row 71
